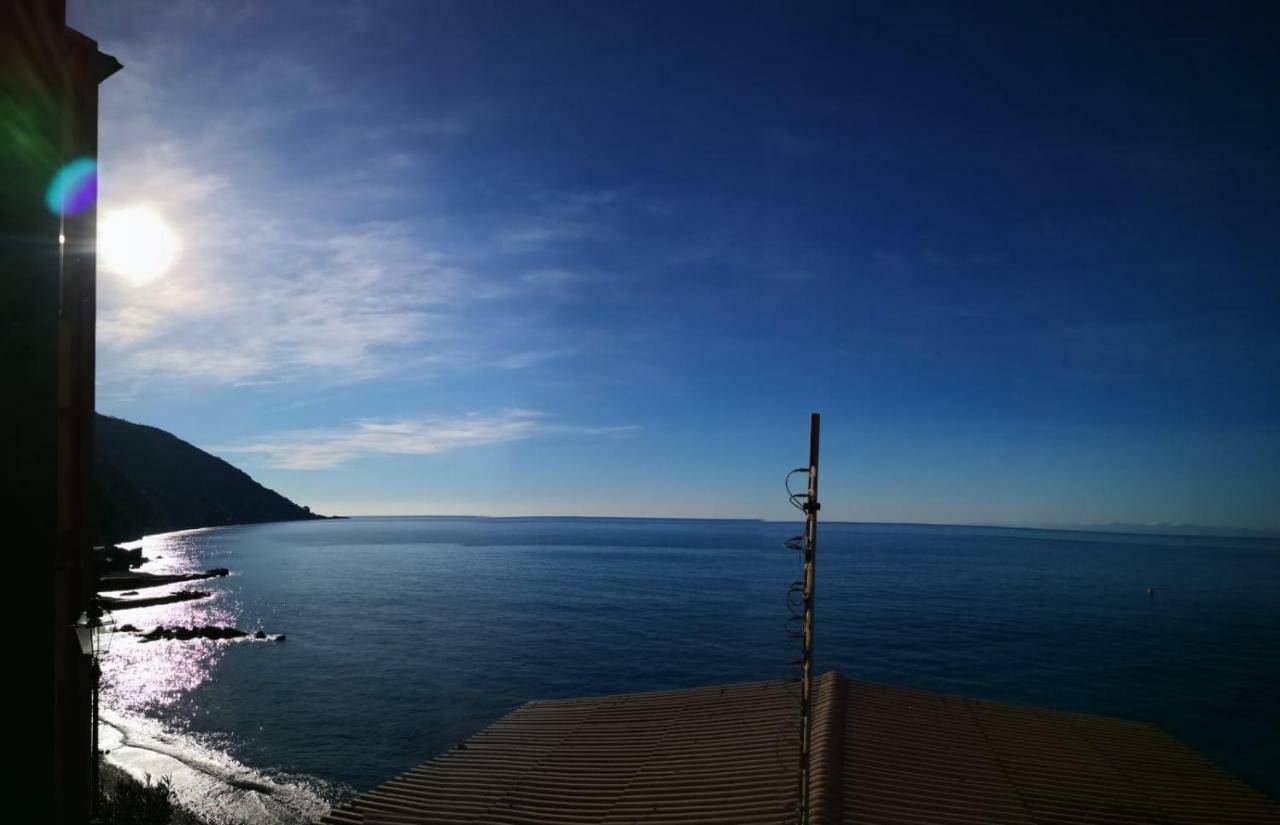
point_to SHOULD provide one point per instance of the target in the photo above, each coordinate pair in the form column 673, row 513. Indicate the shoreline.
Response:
column 107, row 540
column 140, row 581
column 209, row 786
column 129, row 583
column 115, row 605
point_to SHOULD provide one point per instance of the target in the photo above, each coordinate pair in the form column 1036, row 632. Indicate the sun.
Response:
column 137, row 244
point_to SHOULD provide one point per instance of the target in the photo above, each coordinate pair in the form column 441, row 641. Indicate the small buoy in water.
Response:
column 1151, row 591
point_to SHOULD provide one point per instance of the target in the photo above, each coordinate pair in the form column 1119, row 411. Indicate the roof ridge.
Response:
column 826, row 776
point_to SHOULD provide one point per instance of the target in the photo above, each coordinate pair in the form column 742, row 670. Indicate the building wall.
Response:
column 48, row 116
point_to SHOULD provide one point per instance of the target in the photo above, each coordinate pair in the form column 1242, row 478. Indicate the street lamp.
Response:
column 94, row 629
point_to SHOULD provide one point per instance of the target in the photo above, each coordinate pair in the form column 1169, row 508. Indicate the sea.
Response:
column 402, row 636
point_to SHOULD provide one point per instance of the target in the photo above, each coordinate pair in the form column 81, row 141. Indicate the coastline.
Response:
column 130, row 583
column 208, row 786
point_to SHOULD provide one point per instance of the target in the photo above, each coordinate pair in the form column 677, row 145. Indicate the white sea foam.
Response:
column 209, row 783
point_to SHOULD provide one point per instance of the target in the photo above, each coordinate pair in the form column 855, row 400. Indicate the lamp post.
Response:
column 93, row 631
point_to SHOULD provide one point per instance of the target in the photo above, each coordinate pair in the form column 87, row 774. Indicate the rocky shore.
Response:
column 116, row 582
column 111, row 560
column 136, row 580
column 207, row 631
column 116, row 605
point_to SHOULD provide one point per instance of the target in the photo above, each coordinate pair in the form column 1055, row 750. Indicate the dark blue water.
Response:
column 405, row 635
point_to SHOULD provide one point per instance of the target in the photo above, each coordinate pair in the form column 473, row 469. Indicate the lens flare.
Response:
column 74, row 189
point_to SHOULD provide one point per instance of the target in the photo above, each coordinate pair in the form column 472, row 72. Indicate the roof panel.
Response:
column 881, row 754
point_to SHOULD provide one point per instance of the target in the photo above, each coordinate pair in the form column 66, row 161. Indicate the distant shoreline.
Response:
column 312, row 517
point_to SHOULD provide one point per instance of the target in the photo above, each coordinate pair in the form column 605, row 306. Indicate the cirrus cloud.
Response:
column 326, row 447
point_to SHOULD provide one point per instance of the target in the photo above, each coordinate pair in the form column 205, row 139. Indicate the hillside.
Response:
column 150, row 481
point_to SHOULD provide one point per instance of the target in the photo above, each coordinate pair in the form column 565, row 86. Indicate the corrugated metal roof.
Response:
column 920, row 757
column 727, row 756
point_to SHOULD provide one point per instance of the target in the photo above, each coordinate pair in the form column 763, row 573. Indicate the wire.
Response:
column 793, row 496
column 791, row 727
column 792, row 730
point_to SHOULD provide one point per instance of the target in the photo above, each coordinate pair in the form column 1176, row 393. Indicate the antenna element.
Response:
column 808, row 503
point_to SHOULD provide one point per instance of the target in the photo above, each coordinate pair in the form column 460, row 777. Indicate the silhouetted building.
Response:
column 49, row 77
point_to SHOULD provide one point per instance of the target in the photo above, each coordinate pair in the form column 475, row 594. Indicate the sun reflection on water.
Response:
column 146, row 729
column 141, row 676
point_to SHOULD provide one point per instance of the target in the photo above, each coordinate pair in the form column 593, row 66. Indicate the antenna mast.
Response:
column 808, row 503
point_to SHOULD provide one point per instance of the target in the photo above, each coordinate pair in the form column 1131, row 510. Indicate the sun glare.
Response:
column 137, row 244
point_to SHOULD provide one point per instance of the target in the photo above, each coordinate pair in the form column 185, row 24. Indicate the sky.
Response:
column 605, row 258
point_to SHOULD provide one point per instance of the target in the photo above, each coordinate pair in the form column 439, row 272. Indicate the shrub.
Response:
column 130, row 802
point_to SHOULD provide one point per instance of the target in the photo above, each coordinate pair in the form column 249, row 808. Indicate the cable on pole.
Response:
column 800, row 598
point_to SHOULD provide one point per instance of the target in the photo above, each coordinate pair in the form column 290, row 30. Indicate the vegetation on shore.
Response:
column 150, row 481
column 123, row 800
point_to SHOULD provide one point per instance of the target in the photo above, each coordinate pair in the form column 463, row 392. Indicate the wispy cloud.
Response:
column 313, row 278
column 323, row 448
column 554, row 281
column 263, row 297
column 523, row 360
column 546, row 232
column 549, row 219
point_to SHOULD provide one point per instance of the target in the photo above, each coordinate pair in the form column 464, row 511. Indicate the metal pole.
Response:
column 811, row 508
column 94, row 790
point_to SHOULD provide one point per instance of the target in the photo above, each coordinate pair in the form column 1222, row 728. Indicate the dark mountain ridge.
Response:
column 150, row 481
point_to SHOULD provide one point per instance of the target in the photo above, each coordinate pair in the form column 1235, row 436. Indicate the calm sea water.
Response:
column 407, row 634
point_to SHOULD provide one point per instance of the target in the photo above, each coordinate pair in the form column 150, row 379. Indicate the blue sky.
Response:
column 605, row 258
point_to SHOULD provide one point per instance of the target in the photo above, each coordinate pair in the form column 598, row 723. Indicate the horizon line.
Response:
column 1115, row 528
